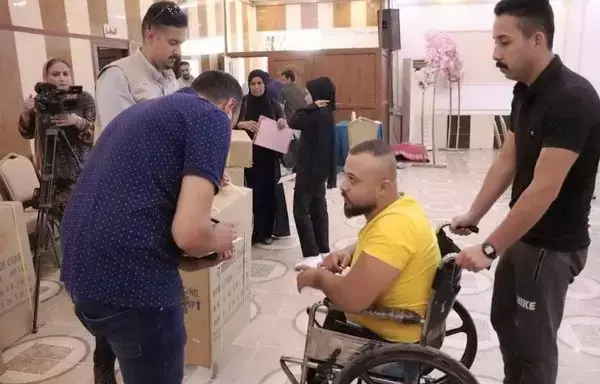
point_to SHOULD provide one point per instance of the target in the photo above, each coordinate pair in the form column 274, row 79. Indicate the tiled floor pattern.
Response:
column 60, row 352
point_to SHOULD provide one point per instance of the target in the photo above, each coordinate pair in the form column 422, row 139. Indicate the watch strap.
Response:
column 489, row 251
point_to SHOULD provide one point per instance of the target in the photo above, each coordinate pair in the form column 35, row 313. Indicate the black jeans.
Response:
column 312, row 219
column 148, row 342
column 530, row 288
column 104, row 362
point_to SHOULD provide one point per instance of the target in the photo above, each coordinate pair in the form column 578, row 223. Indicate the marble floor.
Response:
column 61, row 351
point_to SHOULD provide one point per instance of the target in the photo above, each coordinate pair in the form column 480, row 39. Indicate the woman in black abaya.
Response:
column 263, row 176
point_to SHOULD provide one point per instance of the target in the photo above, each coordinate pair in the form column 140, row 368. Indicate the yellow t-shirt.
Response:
column 401, row 236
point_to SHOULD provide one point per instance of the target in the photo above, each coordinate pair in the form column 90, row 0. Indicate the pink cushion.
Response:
column 410, row 152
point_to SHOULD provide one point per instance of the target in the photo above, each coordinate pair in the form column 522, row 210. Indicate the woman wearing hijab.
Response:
column 282, row 220
column 314, row 166
column 263, row 176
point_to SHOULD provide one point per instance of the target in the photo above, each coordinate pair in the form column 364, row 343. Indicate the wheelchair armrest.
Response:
column 402, row 316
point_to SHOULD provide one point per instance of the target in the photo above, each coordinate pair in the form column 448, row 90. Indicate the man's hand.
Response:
column 250, row 126
column 322, row 103
column 307, row 277
column 337, row 261
column 225, row 180
column 282, row 123
column 473, row 259
column 189, row 264
column 224, row 236
column 460, row 224
column 222, row 257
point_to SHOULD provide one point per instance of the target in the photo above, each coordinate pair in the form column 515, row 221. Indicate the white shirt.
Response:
column 128, row 81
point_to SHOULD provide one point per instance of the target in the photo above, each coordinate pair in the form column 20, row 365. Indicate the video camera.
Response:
column 55, row 101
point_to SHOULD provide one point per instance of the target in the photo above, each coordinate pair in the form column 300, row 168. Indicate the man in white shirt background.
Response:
column 147, row 73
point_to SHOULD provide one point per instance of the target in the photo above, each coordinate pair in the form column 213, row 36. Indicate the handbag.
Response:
column 290, row 159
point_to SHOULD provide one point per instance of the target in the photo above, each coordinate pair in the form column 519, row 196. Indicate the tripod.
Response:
column 45, row 220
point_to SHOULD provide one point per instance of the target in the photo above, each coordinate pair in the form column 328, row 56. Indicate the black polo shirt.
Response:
column 560, row 109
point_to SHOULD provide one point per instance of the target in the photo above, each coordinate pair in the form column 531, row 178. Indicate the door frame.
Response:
column 108, row 43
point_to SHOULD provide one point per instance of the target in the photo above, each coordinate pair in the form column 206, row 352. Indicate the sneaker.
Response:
column 311, row 262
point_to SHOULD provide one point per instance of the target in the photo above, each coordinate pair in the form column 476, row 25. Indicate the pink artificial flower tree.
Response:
column 443, row 60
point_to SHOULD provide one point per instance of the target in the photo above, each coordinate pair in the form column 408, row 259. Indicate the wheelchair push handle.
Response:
column 472, row 228
column 451, row 257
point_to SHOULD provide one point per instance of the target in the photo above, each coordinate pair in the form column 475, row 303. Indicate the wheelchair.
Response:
column 343, row 358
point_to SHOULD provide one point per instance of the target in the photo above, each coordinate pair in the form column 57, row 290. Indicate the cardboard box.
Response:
column 240, row 152
column 217, row 300
column 236, row 175
column 17, row 276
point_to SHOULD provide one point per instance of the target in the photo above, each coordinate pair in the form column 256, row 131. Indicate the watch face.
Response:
column 488, row 250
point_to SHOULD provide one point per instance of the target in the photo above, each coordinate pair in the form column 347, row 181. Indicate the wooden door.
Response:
column 300, row 66
column 108, row 55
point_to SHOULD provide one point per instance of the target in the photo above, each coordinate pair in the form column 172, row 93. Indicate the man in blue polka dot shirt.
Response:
column 143, row 199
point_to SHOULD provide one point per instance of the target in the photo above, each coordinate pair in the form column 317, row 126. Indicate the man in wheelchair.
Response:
column 393, row 262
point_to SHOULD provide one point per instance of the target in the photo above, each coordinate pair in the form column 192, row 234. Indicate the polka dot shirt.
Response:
column 116, row 232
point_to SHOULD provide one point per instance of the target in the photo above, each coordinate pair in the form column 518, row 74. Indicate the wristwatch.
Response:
column 489, row 251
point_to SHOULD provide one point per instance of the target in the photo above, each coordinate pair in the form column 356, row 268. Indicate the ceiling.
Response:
column 385, row 3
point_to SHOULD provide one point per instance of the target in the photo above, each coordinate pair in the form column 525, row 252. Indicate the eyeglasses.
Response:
column 172, row 9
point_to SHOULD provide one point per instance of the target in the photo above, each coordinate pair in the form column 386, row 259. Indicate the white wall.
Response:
column 321, row 38
column 588, row 56
column 485, row 91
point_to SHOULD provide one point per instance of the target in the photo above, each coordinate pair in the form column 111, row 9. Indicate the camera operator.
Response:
column 78, row 126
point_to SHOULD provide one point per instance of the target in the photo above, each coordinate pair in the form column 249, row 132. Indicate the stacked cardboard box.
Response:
column 217, row 300
column 240, row 156
column 17, row 276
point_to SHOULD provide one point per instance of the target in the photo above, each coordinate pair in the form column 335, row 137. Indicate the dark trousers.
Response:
column 282, row 219
column 264, row 201
column 148, row 342
column 104, row 362
column 312, row 219
column 530, row 288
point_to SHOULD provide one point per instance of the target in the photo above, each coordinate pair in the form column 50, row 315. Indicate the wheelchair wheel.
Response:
column 362, row 366
column 467, row 327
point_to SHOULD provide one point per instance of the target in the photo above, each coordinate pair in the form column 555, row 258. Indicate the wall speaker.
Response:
column 389, row 28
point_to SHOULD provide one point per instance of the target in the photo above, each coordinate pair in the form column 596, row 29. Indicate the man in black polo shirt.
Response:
column 551, row 157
